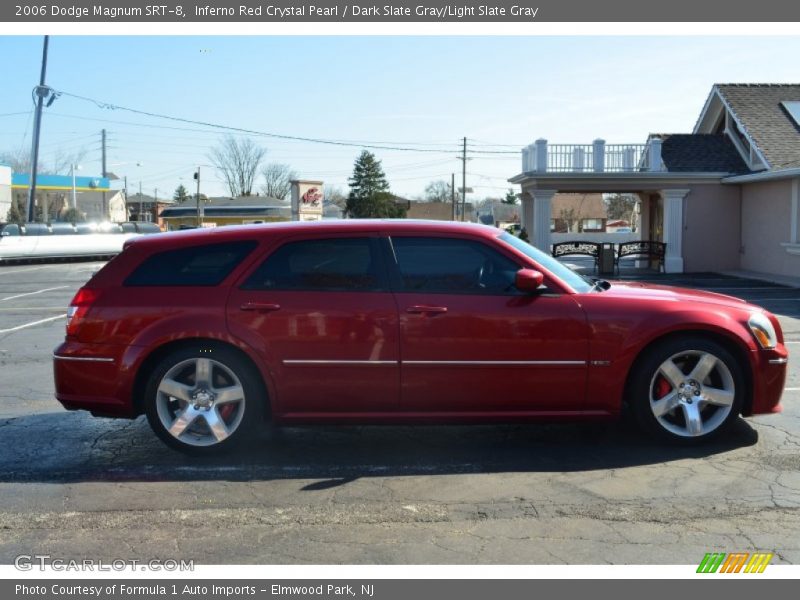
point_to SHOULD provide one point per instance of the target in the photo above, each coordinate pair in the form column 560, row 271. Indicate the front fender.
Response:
column 620, row 336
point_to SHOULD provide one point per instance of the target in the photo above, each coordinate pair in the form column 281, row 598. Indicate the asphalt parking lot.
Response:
column 73, row 486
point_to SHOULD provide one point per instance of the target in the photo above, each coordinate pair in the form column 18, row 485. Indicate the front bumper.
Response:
column 769, row 379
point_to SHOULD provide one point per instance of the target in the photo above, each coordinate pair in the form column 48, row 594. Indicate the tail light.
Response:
column 78, row 308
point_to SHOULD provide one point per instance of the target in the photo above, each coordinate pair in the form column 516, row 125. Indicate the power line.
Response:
column 13, row 114
column 495, row 151
column 372, row 145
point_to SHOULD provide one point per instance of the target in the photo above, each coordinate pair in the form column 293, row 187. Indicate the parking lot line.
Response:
column 765, row 288
column 12, row 270
column 32, row 308
column 60, row 287
column 26, row 325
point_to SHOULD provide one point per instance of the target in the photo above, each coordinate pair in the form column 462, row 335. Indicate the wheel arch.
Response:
column 156, row 355
column 737, row 349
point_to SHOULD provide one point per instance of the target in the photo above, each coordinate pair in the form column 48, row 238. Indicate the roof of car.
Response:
column 238, row 232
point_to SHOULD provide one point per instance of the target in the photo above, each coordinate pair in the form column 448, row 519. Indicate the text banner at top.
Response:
column 412, row 11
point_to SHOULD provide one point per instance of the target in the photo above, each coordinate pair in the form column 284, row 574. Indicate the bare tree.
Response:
column 438, row 191
column 335, row 195
column 62, row 161
column 20, row 161
column 568, row 216
column 238, row 159
column 277, row 180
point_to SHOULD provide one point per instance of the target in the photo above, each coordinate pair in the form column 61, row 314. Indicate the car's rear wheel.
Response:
column 687, row 390
column 203, row 400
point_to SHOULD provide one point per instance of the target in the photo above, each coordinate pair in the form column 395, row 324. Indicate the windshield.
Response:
column 577, row 282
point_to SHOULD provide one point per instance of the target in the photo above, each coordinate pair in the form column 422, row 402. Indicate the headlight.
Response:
column 762, row 330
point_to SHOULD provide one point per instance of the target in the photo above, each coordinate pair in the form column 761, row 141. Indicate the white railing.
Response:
column 597, row 157
column 567, row 158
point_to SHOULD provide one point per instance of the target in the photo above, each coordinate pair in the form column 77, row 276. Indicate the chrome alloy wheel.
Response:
column 692, row 393
column 200, row 402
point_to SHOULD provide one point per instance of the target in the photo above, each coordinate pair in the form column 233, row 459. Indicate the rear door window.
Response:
column 336, row 264
column 206, row 265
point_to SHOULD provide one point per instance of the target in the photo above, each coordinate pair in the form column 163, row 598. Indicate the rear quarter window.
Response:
column 206, row 265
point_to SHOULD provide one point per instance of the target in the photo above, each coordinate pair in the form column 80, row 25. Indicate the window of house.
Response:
column 336, row 264
column 206, row 265
column 793, row 108
column 592, row 224
column 452, row 265
column 742, row 138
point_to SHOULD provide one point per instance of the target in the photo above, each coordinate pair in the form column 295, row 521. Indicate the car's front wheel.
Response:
column 687, row 390
column 202, row 400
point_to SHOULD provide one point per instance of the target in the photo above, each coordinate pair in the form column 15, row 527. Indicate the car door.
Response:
column 321, row 314
column 471, row 342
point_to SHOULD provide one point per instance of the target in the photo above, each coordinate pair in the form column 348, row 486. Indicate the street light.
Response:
column 72, row 169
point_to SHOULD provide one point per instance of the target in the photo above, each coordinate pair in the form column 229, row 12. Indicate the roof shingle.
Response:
column 700, row 153
column 758, row 108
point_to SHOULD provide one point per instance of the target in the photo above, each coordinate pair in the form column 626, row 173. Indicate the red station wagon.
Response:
column 210, row 333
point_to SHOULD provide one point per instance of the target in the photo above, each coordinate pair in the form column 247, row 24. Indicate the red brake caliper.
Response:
column 226, row 411
column 662, row 387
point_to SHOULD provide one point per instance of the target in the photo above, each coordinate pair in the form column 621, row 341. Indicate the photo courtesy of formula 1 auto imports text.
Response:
column 420, row 299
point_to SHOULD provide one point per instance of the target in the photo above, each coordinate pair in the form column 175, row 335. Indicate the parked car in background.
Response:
column 144, row 227
column 211, row 332
column 66, row 240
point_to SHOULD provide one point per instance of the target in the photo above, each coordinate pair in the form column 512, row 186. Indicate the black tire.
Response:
column 715, row 402
column 198, row 400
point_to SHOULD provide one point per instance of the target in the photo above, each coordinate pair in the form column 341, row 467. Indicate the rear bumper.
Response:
column 94, row 377
column 769, row 379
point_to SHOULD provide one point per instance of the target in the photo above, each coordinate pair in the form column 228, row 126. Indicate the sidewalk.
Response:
column 776, row 279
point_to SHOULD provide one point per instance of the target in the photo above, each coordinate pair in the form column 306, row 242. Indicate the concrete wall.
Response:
column 766, row 218
column 711, row 228
column 5, row 191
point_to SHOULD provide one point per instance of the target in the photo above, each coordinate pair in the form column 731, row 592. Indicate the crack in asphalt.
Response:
column 376, row 513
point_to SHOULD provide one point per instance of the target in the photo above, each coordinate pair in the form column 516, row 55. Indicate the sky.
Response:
column 419, row 93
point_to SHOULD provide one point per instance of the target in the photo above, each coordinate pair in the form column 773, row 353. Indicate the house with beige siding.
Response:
column 723, row 197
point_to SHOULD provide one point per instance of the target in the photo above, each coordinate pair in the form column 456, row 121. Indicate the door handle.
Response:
column 421, row 309
column 260, row 306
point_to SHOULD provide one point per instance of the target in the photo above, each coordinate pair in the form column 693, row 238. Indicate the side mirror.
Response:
column 528, row 280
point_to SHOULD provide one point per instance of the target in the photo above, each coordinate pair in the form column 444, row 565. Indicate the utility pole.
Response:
column 41, row 92
column 464, row 180
column 453, row 193
column 105, row 174
column 199, row 212
column 155, row 202
column 141, row 202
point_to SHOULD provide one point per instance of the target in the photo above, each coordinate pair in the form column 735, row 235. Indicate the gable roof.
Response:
column 220, row 201
column 136, row 198
column 700, row 153
column 438, row 211
column 583, row 206
column 758, row 108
